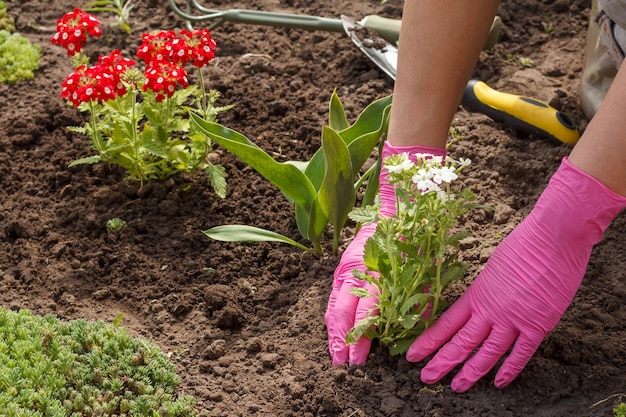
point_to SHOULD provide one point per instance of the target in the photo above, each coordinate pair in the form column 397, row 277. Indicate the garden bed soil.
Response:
column 244, row 323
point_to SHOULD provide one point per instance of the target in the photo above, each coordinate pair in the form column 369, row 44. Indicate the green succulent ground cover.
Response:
column 18, row 57
column 6, row 22
column 50, row 367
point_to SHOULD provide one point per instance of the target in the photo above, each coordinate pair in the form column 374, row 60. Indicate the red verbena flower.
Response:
column 156, row 46
column 163, row 77
column 201, row 45
column 116, row 65
column 87, row 84
column 72, row 30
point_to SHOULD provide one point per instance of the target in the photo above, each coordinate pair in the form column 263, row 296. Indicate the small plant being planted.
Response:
column 413, row 255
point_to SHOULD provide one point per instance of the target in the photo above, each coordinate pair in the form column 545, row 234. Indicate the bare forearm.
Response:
column 440, row 41
column 601, row 151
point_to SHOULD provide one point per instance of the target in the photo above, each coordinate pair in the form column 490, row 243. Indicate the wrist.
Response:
column 386, row 192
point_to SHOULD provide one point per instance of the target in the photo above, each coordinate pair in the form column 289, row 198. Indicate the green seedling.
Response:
column 526, row 62
column 115, row 224
column 323, row 189
column 120, row 8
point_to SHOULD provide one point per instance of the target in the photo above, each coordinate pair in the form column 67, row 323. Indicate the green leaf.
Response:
column 360, row 292
column 374, row 118
column 367, row 278
column 371, row 190
column 87, row 160
column 453, row 273
column 118, row 320
column 408, row 321
column 216, row 174
column 155, row 149
column 415, row 299
column 336, row 194
column 316, row 221
column 456, row 238
column 243, row 233
column 371, row 123
column 360, row 328
column 337, row 115
column 363, row 215
column 289, row 179
column 77, row 129
column 400, row 347
column 371, row 254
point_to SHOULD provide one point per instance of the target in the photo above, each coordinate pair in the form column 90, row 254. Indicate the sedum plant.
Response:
column 6, row 22
column 138, row 119
column 55, row 368
column 322, row 189
column 115, row 224
column 413, row 255
column 18, row 57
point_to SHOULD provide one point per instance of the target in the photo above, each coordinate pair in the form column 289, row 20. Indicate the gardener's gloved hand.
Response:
column 345, row 309
column 526, row 286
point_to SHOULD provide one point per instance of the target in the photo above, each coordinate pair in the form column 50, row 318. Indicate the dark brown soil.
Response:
column 244, row 322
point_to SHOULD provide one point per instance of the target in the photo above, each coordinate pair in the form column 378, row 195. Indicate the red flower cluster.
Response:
column 166, row 52
column 72, row 31
column 201, row 45
column 195, row 46
column 163, row 77
column 116, row 65
column 101, row 82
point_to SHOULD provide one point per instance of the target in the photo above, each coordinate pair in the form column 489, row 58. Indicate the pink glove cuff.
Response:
column 581, row 204
column 386, row 192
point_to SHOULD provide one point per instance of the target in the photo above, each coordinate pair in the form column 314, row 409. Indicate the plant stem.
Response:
column 134, row 138
column 203, row 103
column 94, row 131
column 393, row 268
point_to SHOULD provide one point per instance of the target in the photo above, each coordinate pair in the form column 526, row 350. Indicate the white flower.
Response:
column 405, row 164
column 434, row 159
column 443, row 196
column 444, row 174
column 425, row 185
column 421, row 175
column 464, row 162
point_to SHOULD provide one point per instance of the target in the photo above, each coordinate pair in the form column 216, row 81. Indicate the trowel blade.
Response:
column 377, row 49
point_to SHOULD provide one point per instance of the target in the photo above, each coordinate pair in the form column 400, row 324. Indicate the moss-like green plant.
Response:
column 18, row 57
column 6, row 22
column 115, row 224
column 50, row 367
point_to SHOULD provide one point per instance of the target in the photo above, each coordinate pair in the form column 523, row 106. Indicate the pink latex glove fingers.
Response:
column 526, row 286
column 345, row 309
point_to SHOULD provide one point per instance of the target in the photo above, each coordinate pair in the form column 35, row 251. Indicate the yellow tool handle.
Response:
column 532, row 116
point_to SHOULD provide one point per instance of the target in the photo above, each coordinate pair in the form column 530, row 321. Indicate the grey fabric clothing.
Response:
column 612, row 21
column 615, row 9
column 599, row 69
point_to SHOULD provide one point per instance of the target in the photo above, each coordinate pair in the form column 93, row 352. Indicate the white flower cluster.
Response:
column 429, row 172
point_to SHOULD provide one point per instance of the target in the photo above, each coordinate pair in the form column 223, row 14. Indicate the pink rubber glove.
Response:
column 526, row 286
column 345, row 309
